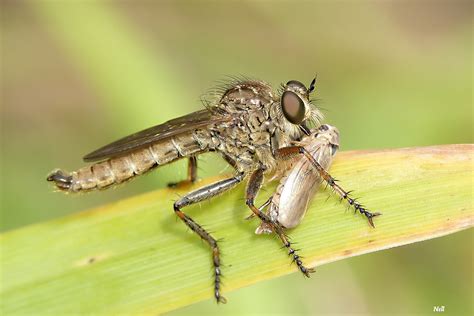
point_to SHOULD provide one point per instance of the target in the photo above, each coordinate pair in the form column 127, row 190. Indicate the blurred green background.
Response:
column 76, row 75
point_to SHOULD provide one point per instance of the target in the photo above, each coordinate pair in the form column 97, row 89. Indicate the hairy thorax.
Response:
column 248, row 139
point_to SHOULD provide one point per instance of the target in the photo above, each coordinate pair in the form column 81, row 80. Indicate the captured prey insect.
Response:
column 288, row 205
column 250, row 125
column 298, row 185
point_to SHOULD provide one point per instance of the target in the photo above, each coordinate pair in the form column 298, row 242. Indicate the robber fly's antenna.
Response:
column 312, row 84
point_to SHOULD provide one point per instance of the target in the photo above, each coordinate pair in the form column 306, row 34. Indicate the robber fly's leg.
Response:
column 295, row 257
column 199, row 195
column 287, row 152
column 261, row 208
column 254, row 185
column 192, row 174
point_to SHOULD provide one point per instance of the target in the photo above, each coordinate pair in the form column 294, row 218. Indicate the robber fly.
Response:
column 298, row 185
column 249, row 125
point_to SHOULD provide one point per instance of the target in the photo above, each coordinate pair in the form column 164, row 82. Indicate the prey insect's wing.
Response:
column 180, row 125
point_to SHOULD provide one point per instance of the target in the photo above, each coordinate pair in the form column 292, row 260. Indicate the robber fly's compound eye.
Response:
column 293, row 107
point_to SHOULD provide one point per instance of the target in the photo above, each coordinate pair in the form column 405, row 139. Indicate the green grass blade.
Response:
column 133, row 256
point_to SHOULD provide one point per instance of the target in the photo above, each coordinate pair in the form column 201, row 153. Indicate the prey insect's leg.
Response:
column 192, row 174
column 254, row 185
column 288, row 152
column 199, row 195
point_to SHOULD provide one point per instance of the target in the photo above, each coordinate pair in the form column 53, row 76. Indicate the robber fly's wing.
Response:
column 156, row 133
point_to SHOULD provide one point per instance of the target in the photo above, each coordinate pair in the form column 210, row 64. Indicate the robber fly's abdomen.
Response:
column 120, row 169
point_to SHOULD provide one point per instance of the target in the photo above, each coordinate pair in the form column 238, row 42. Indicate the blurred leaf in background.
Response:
column 77, row 75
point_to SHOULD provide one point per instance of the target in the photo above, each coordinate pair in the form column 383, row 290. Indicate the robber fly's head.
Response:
column 330, row 134
column 295, row 103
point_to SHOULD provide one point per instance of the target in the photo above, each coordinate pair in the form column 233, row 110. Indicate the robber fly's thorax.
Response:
column 253, row 133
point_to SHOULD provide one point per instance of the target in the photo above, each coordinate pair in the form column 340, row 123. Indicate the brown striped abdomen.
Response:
column 120, row 169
